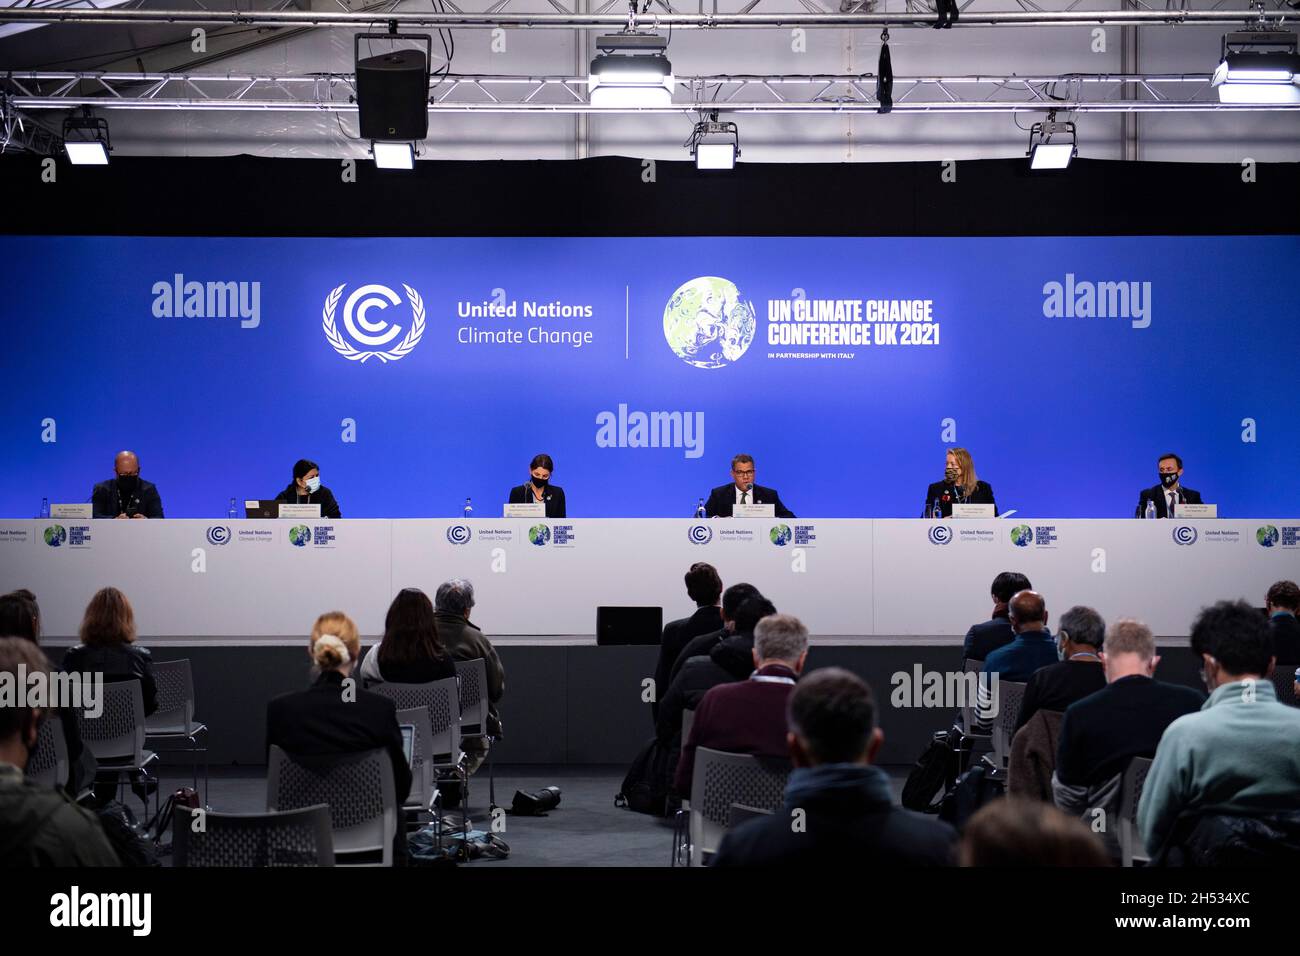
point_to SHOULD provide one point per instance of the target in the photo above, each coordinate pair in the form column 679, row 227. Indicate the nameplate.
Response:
column 299, row 511
column 972, row 511
column 1196, row 511
column 70, row 511
column 532, row 510
column 753, row 511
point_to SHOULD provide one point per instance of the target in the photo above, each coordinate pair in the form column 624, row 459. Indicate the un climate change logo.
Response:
column 700, row 534
column 1184, row 534
column 708, row 323
column 941, row 534
column 539, row 534
column 218, row 534
column 373, row 334
column 299, row 535
column 1022, row 536
column 781, row 535
column 55, row 535
column 458, row 534
column 1267, row 536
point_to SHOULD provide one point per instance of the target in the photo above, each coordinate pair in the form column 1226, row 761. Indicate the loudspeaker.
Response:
column 393, row 95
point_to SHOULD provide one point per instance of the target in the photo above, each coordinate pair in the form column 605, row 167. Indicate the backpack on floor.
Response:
column 645, row 788
column 934, row 772
column 972, row 790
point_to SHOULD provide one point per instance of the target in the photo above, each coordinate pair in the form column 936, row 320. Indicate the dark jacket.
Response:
column 1057, row 686
column 1286, row 638
column 730, row 659
column 946, row 494
column 722, row 498
column 987, row 636
column 1233, row 840
column 553, row 495
column 677, row 634
column 849, row 821
column 699, row 646
column 465, row 642
column 116, row 662
column 318, row 722
column 1018, row 660
column 1157, row 494
column 1033, row 756
column 108, row 501
column 747, row 717
column 43, row 827
column 329, row 508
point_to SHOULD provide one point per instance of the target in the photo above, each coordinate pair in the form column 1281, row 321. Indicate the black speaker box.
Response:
column 393, row 95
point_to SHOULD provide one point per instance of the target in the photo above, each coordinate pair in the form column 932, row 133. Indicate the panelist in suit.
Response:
column 306, row 489
column 1169, row 492
column 539, row 490
column 959, row 486
column 742, row 491
column 127, row 495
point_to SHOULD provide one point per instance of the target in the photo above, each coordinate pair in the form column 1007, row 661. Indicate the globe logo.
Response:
column 781, row 535
column 1267, row 536
column 941, row 534
column 1184, row 535
column 708, row 324
column 55, row 535
column 539, row 534
column 1022, row 536
column 458, row 534
column 299, row 535
column 700, row 534
column 218, row 535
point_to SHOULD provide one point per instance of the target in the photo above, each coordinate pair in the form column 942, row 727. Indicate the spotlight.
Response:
column 1052, row 145
column 631, row 71
column 1258, row 68
column 714, row 145
column 85, row 139
column 393, row 155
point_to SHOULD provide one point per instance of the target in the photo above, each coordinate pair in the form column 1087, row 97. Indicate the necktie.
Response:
column 1172, row 497
column 743, row 497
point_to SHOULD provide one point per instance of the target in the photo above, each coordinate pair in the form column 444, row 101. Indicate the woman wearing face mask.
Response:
column 306, row 489
column 539, row 490
column 959, row 486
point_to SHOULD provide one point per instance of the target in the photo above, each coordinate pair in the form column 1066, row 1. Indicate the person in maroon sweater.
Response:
column 748, row 717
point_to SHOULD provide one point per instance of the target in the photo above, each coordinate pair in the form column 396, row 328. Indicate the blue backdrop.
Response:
column 1065, row 414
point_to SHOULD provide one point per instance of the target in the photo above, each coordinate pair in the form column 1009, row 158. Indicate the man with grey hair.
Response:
column 748, row 716
column 452, row 604
column 1077, row 674
column 1102, row 732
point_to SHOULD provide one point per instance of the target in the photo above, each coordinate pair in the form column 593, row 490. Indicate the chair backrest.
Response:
column 286, row 838
column 474, row 699
column 742, row 814
column 722, row 779
column 968, row 716
column 1284, row 682
column 1130, row 795
column 117, row 734
column 421, row 756
column 47, row 764
column 1011, row 695
column 441, row 698
column 358, row 788
column 175, row 682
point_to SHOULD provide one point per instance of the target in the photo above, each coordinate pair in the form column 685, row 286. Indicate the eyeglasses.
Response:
column 744, row 473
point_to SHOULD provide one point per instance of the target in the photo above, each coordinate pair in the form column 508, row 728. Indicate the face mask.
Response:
column 313, row 485
column 128, row 484
column 950, row 473
column 541, row 482
column 1168, row 480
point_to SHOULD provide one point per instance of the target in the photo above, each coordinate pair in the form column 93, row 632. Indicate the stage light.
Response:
column 393, row 155
column 1258, row 68
column 1052, row 145
column 85, row 139
column 631, row 71
column 714, row 145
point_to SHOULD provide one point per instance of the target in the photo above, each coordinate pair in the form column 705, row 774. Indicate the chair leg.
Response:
column 492, row 783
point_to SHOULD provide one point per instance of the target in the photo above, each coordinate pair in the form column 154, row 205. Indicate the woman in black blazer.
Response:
column 539, row 489
column 959, row 486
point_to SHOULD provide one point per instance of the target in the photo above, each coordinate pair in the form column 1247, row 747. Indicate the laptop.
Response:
column 408, row 741
column 629, row 625
column 261, row 509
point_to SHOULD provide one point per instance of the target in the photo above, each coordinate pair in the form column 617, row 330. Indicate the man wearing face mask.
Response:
column 306, row 489
column 127, row 495
column 1170, row 493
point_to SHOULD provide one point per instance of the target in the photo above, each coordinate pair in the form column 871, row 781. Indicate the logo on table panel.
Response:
column 1022, row 536
column 539, row 534
column 218, row 534
column 56, row 535
column 300, row 536
column 1184, row 534
column 458, row 534
column 700, row 534
column 368, row 338
column 941, row 534
column 708, row 323
column 781, row 535
column 1267, row 536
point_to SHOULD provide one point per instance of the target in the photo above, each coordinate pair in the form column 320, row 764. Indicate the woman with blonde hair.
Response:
column 960, row 485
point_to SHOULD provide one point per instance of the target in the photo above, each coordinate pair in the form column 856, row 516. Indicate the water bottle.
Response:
column 937, row 511
column 469, row 508
column 231, row 514
column 699, row 510
column 45, row 508
column 1151, row 509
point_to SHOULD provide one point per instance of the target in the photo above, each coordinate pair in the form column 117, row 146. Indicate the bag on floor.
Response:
column 934, row 771
column 972, row 790
column 645, row 788
column 125, row 835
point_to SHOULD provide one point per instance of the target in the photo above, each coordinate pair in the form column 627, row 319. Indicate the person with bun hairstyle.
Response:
column 331, row 718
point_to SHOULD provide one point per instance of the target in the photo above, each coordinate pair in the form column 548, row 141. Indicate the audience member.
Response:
column 410, row 651
column 846, row 813
column 1237, row 755
column 20, row 616
column 1032, row 646
column 108, row 646
column 732, row 599
column 1282, row 603
column 1077, row 674
column 38, row 826
column 1011, row 831
column 463, row 640
column 748, row 717
column 704, row 587
column 987, row 636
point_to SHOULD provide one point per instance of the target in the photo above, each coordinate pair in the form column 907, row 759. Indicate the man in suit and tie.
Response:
column 1170, row 493
column 743, row 491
